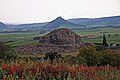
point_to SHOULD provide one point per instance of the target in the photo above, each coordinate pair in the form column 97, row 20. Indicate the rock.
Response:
column 60, row 40
column 61, row 37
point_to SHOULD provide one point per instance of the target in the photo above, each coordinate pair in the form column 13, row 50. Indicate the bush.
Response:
column 99, row 57
column 78, row 60
column 90, row 54
column 45, row 70
column 52, row 56
column 7, row 53
column 110, row 57
column 75, row 59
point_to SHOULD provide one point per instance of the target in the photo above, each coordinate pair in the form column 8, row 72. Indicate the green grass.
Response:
column 23, row 42
column 99, row 40
column 19, row 38
column 27, row 38
column 98, row 32
column 86, row 32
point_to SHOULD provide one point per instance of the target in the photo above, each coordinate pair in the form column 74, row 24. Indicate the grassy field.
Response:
column 99, row 32
column 19, row 38
column 27, row 38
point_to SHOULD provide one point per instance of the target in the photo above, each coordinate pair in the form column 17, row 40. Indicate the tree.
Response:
column 7, row 53
column 109, row 35
column 90, row 54
column 103, row 57
column 104, row 40
column 52, row 56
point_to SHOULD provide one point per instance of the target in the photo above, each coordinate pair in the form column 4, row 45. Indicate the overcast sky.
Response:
column 31, row 11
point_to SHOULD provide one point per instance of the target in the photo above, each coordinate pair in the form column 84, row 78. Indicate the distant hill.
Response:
column 27, row 27
column 32, row 25
column 2, row 25
column 104, row 21
column 60, row 22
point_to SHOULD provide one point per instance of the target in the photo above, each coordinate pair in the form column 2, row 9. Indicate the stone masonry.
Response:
column 60, row 40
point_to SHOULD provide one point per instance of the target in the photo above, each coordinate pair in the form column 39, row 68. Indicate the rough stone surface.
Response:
column 61, row 37
column 60, row 40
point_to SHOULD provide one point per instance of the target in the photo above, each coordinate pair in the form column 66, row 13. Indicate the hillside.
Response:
column 104, row 21
column 2, row 25
column 60, row 22
column 70, row 23
column 32, row 25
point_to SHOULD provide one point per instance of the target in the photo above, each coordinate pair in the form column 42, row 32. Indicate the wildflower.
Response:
column 89, row 77
column 40, row 66
column 109, row 75
column 56, row 75
column 62, row 66
column 56, row 69
column 13, row 69
column 3, row 79
column 5, row 66
column 33, row 71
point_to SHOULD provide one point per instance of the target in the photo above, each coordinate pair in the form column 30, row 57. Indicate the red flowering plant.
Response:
column 44, row 70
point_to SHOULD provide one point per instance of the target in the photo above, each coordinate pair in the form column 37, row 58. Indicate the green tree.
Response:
column 99, row 57
column 90, row 54
column 104, row 40
column 7, row 53
column 110, row 57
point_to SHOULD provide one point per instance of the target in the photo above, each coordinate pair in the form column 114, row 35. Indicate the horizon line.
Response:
column 16, row 23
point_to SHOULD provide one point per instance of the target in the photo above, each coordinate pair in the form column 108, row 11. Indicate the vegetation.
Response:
column 18, row 38
column 100, row 56
column 7, row 53
column 91, row 63
column 52, row 56
column 98, row 32
column 104, row 40
column 58, row 70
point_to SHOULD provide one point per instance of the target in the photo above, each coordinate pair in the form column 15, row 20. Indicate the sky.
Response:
column 33, row 11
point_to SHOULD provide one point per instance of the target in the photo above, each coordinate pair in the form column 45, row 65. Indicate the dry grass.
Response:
column 31, row 55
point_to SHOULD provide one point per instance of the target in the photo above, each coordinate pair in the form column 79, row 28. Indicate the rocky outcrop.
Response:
column 61, row 36
column 60, row 40
column 47, row 47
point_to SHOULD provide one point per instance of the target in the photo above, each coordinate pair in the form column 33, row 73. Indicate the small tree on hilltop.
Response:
column 104, row 40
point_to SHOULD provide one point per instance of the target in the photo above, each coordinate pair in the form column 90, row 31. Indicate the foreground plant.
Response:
column 57, row 70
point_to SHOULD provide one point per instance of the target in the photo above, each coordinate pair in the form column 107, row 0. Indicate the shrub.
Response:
column 75, row 59
column 45, row 70
column 104, row 56
column 52, row 56
column 90, row 54
column 78, row 60
column 7, row 53
column 110, row 57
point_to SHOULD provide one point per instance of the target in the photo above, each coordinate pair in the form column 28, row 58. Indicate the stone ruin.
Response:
column 61, row 36
column 61, row 40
